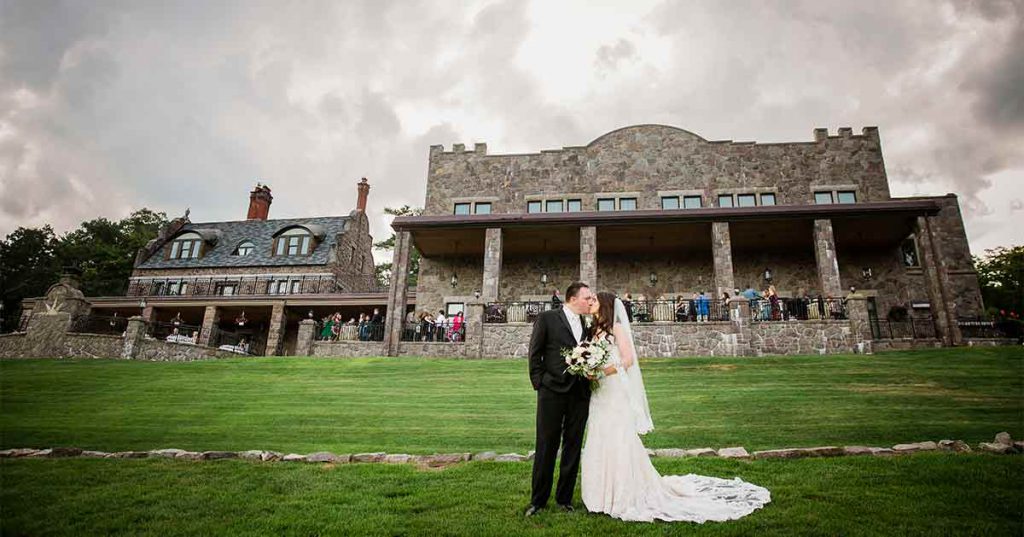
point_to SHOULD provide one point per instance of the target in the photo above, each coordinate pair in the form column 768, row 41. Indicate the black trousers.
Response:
column 560, row 417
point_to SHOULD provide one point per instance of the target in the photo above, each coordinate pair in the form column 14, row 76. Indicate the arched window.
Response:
column 186, row 246
column 295, row 241
column 244, row 249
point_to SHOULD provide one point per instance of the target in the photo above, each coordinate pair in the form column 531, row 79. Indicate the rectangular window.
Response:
column 280, row 246
column 575, row 206
column 768, row 199
column 670, row 202
column 627, row 204
column 533, row 206
column 908, row 250
column 554, row 206
column 226, row 289
column 296, row 287
column 461, row 208
column 691, row 202
column 822, row 198
column 452, row 308
column 606, row 204
column 174, row 288
column 746, row 200
column 725, row 200
column 293, row 245
column 846, row 196
column 195, row 248
column 305, row 245
column 482, row 208
column 174, row 249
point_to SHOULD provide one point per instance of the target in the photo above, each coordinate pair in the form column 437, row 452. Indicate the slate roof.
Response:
column 228, row 235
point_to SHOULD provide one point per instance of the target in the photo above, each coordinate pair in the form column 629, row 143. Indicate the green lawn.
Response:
column 431, row 405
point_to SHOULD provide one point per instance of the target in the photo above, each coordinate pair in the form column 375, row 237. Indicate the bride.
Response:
column 617, row 475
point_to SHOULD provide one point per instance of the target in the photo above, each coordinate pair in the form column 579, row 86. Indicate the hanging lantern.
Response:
column 241, row 320
column 454, row 280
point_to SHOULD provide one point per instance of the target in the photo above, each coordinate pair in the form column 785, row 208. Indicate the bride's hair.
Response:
column 605, row 316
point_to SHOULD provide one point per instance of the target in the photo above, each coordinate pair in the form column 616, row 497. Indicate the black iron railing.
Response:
column 98, row 324
column 240, row 343
column 797, row 309
column 514, row 312
column 981, row 327
column 680, row 310
column 173, row 332
column 269, row 285
column 430, row 331
column 909, row 328
column 359, row 331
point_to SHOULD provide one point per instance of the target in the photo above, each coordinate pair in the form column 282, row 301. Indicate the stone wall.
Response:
column 440, row 349
column 347, row 349
column 162, row 351
column 648, row 159
column 688, row 339
column 434, row 286
column 65, row 346
column 510, row 340
column 802, row 337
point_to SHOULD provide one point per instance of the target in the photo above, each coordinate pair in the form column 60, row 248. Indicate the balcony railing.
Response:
column 797, row 309
column 361, row 331
column 269, row 285
column 98, row 324
column 981, row 327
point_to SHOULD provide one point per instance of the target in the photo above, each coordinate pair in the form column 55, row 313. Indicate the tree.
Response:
column 383, row 270
column 28, row 267
column 1001, row 276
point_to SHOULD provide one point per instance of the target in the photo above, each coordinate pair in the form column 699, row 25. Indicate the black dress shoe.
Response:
column 566, row 507
column 532, row 510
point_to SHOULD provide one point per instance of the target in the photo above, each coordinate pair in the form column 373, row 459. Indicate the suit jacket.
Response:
column 551, row 334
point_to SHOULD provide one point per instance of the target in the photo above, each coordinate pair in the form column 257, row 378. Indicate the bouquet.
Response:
column 588, row 359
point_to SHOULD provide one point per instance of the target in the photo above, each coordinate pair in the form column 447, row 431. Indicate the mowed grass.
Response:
column 923, row 494
column 414, row 405
column 431, row 405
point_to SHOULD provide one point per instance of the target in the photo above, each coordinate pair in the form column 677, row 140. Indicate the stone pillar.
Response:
column 721, row 249
column 304, row 343
column 275, row 335
column 588, row 256
column 492, row 264
column 211, row 322
column 147, row 313
column 825, row 254
column 397, row 293
column 133, row 335
column 740, row 339
column 860, row 322
column 936, row 278
column 474, row 328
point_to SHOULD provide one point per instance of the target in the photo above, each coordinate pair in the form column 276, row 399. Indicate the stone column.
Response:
column 588, row 256
column 211, row 322
column 825, row 254
column 133, row 335
column 492, row 264
column 721, row 249
column 397, row 293
column 937, row 284
column 304, row 343
column 147, row 313
column 860, row 322
column 474, row 328
column 275, row 335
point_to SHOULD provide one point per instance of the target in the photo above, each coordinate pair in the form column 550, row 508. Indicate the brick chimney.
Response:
column 259, row 202
column 364, row 191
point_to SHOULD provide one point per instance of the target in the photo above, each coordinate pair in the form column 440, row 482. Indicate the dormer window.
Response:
column 186, row 246
column 244, row 249
column 295, row 241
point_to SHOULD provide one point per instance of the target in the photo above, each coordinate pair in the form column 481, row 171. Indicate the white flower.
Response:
column 587, row 321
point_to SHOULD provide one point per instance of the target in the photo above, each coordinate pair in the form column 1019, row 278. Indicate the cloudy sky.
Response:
column 107, row 106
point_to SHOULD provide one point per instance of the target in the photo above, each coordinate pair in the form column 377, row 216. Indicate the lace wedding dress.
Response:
column 618, row 477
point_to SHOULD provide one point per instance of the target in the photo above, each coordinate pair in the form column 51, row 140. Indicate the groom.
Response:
column 563, row 400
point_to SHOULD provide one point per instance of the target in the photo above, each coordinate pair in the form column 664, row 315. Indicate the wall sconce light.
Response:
column 142, row 304
column 454, row 280
column 113, row 320
column 310, row 314
column 177, row 319
column 476, row 294
column 865, row 272
column 544, row 278
column 241, row 320
column 652, row 279
column 767, row 274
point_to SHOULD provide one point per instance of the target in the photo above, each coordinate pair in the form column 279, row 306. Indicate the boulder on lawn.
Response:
column 670, row 452
column 511, row 457
column 369, row 457
column 94, row 454
column 701, row 452
column 189, row 456
column 916, row 446
column 484, row 456
column 994, row 447
column 293, row 457
column 251, row 454
column 216, row 455
column 738, row 452
column 398, row 458
column 954, row 445
column 270, row 456
column 323, row 456
column 17, row 452
column 1004, row 438
column 794, row 453
column 65, row 452
column 169, row 453
column 128, row 455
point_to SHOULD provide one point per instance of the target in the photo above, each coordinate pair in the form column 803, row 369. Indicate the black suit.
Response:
column 563, row 403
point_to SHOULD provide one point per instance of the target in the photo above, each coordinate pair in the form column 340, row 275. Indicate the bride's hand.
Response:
column 609, row 371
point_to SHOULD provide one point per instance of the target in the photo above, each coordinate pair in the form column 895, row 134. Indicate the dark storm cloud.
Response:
column 109, row 106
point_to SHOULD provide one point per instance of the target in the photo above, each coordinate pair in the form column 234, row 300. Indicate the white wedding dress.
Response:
column 617, row 476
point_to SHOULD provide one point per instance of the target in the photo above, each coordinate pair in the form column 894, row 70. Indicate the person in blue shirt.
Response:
column 703, row 307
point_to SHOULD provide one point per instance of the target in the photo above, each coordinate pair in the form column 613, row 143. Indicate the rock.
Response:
column 40, row 453
column 369, row 457
column 651, row 453
column 954, row 445
column 511, row 457
column 215, row 455
column 189, row 456
column 669, row 452
column 270, row 456
column 1004, row 438
column 484, row 456
column 322, row 456
column 128, row 455
column 252, row 454
column 738, row 452
column 850, row 450
column 398, row 458
column 993, row 447
column 793, row 453
column 167, row 453
column 531, row 453
column 17, row 452
column 293, row 457
column 443, row 458
column 65, row 452
column 701, row 452
column 1018, row 445
column 94, row 454
column 916, row 446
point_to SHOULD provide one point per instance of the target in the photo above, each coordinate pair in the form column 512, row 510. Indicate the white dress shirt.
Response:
column 574, row 323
